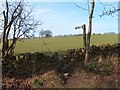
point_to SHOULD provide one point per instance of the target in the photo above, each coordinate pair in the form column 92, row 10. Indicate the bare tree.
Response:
column 17, row 19
column 106, row 6
column 89, row 32
column 87, row 37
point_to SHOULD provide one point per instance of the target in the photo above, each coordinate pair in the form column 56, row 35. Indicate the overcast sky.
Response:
column 61, row 16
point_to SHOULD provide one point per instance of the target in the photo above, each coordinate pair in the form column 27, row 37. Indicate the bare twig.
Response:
column 109, row 12
column 80, row 7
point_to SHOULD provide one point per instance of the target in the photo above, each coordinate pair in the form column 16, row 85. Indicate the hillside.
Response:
column 61, row 43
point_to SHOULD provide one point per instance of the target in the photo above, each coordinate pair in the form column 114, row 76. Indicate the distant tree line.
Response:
column 82, row 34
column 45, row 33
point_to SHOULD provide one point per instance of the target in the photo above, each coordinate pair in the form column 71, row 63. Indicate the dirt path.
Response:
column 90, row 80
column 81, row 81
column 73, row 82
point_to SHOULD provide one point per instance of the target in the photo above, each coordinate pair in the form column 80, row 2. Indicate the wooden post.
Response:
column 84, row 35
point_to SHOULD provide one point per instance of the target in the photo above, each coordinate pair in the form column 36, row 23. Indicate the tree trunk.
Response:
column 89, row 33
column 7, row 27
column 5, row 41
column 11, row 48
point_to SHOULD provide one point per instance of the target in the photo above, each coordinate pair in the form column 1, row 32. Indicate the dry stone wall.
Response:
column 27, row 64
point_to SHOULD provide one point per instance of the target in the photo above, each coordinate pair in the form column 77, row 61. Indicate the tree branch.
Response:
column 80, row 7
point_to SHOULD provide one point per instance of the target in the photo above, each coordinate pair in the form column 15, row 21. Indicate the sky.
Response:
column 61, row 16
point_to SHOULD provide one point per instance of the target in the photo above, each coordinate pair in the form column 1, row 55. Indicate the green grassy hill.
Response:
column 61, row 43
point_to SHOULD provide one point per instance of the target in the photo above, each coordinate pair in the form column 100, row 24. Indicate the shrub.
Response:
column 102, row 69
column 37, row 83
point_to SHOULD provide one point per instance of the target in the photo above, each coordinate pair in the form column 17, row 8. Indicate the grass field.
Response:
column 61, row 43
